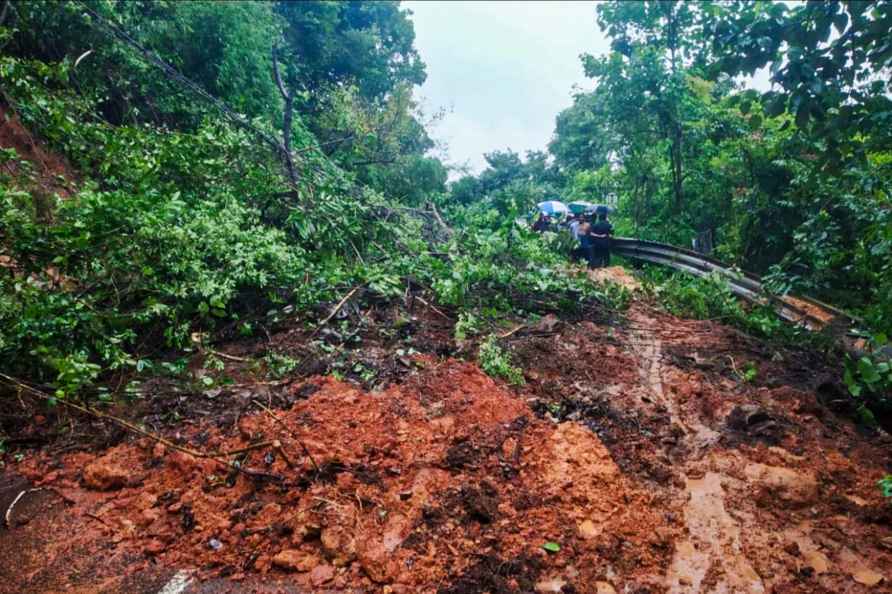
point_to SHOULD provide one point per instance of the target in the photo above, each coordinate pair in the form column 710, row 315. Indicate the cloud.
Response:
column 505, row 69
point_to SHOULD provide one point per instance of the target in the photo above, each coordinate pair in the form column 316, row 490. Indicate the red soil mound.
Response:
column 447, row 482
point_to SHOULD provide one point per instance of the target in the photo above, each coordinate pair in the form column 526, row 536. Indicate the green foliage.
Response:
column 224, row 46
column 832, row 81
column 869, row 379
column 279, row 366
column 700, row 298
column 367, row 44
column 710, row 298
column 496, row 362
column 885, row 485
column 793, row 183
column 169, row 240
column 467, row 326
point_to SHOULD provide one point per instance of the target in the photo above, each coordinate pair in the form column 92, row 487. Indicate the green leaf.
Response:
column 551, row 547
column 868, row 371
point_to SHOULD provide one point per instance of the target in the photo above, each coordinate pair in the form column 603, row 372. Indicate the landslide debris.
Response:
column 634, row 446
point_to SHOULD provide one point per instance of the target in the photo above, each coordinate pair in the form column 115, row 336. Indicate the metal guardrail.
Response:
column 744, row 284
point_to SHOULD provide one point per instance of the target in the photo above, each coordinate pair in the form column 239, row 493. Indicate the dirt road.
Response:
column 642, row 456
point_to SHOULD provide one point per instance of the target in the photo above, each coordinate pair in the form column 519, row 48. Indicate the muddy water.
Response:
column 649, row 349
column 714, row 542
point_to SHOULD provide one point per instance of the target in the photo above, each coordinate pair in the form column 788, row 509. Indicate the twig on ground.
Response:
column 12, row 505
column 433, row 307
column 510, row 332
column 228, row 356
column 338, row 307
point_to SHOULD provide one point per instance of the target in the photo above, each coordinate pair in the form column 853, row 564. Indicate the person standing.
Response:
column 543, row 223
column 583, row 233
column 600, row 233
column 573, row 225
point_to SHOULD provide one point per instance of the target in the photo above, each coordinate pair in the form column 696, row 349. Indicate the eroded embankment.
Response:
column 642, row 450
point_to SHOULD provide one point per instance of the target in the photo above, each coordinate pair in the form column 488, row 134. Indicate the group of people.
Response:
column 592, row 233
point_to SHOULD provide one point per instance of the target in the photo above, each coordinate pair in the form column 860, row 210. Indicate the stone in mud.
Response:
column 868, row 577
column 588, row 530
column 338, row 544
column 789, row 485
column 322, row 574
column 293, row 560
column 154, row 547
column 755, row 422
column 550, row 585
column 106, row 475
column 376, row 561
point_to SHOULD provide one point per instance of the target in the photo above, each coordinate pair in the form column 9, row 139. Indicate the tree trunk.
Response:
column 288, row 118
column 677, row 178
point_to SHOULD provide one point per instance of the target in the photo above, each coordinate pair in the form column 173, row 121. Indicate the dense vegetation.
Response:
column 186, row 218
column 792, row 183
column 313, row 174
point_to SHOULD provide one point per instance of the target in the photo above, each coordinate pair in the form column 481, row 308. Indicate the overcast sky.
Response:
column 503, row 70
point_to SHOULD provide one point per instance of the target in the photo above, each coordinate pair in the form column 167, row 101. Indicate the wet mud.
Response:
column 639, row 452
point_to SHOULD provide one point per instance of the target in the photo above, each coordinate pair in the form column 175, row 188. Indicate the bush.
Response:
column 496, row 362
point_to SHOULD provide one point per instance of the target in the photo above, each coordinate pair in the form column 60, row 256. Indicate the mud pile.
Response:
column 447, row 483
column 734, row 438
column 655, row 455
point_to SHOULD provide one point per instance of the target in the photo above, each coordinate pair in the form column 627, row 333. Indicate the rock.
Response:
column 854, row 565
column 147, row 517
column 154, row 547
column 588, row 530
column 105, row 475
column 816, row 560
column 339, row 545
column 790, row 485
column 866, row 576
column 376, row 561
column 604, row 588
column 549, row 323
column 294, row 560
column 554, row 584
column 755, row 421
column 322, row 574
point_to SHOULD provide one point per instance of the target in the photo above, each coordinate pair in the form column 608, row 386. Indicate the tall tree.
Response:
column 654, row 44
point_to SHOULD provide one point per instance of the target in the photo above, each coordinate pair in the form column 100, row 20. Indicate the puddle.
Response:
column 711, row 559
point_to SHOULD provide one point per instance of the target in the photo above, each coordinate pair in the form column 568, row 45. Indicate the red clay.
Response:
column 668, row 472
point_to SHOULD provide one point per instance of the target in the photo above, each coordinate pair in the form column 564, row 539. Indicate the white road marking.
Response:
column 178, row 583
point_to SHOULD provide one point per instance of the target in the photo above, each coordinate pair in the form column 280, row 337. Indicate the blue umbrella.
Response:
column 553, row 207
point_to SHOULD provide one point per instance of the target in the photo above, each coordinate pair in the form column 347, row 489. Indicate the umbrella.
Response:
column 580, row 207
column 552, row 207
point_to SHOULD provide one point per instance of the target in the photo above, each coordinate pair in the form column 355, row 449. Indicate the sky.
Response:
column 502, row 71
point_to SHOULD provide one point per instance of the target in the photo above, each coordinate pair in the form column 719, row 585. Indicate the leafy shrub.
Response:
column 496, row 362
column 467, row 325
column 885, row 485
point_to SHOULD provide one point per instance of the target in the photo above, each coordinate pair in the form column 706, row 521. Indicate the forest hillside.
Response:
column 257, row 335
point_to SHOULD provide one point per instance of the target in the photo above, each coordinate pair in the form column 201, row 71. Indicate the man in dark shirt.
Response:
column 543, row 223
column 600, row 241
